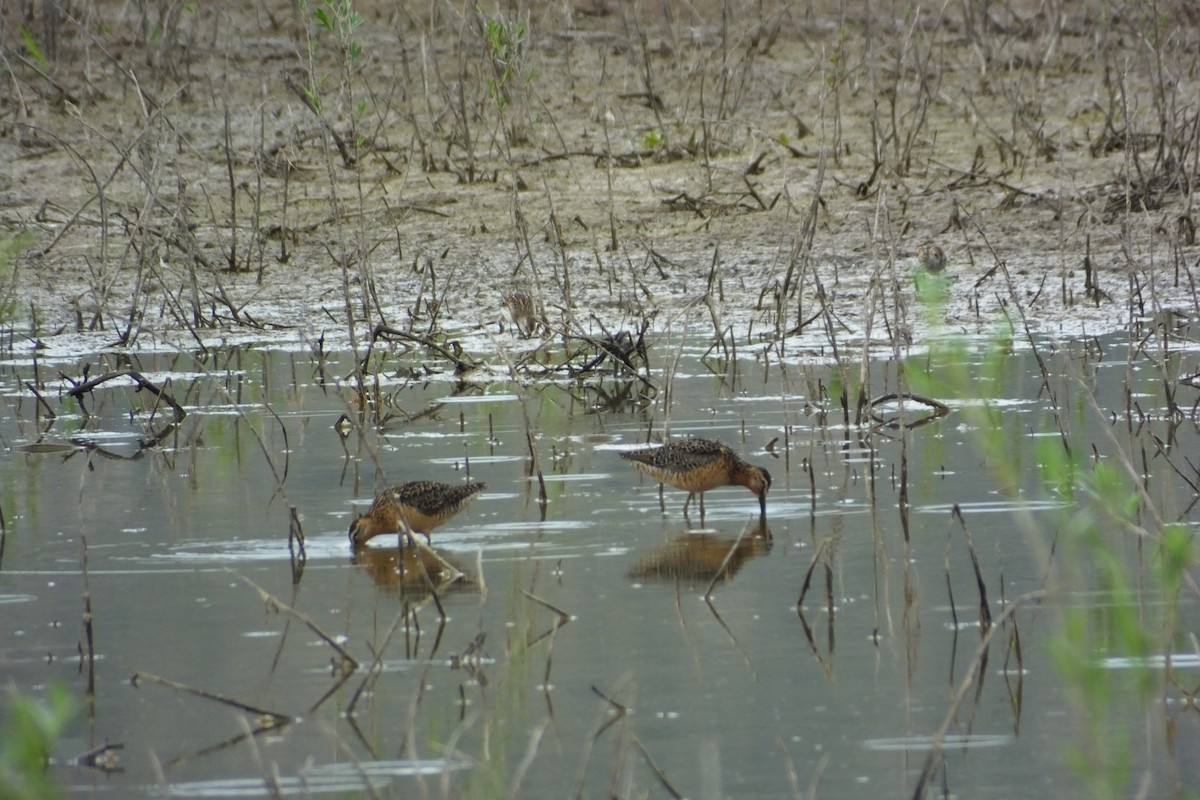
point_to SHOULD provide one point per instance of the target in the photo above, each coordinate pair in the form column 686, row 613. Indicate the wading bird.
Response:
column 931, row 257
column 421, row 505
column 697, row 465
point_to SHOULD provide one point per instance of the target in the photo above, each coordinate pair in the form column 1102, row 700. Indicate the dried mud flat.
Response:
column 757, row 172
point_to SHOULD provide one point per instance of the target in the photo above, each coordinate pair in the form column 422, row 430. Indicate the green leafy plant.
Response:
column 27, row 741
column 31, row 46
column 340, row 18
column 1116, row 618
column 11, row 248
column 504, row 39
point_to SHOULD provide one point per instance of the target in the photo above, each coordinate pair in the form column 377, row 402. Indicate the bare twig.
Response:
column 277, row 717
column 275, row 604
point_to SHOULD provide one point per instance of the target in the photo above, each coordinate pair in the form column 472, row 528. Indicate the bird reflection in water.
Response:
column 703, row 557
column 415, row 570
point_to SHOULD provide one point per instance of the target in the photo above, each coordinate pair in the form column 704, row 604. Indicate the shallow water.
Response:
column 743, row 695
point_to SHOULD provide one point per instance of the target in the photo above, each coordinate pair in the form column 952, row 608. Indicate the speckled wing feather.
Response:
column 434, row 499
column 682, row 455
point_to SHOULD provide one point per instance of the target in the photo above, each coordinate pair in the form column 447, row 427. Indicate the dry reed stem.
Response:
column 77, row 391
column 985, row 611
column 935, row 751
column 88, row 626
column 296, row 545
column 346, row 751
column 725, row 562
column 271, row 777
column 273, row 603
column 341, row 679
column 50, row 414
column 276, row 717
column 530, row 439
column 415, row 543
column 561, row 619
column 659, row 775
column 794, row 778
column 531, row 750
column 374, row 671
column 822, row 556
column 563, row 616
column 590, row 744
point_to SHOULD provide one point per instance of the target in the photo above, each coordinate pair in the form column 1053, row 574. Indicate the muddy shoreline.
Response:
column 245, row 175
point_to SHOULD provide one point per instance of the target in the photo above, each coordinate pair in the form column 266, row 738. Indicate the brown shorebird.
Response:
column 420, row 505
column 931, row 257
column 697, row 465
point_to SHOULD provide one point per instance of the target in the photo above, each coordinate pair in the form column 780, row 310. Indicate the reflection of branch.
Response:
column 794, row 780
column 732, row 636
column 415, row 544
column 824, row 659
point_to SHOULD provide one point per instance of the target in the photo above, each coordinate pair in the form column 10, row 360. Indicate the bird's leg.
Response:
column 686, row 503
column 702, row 508
column 662, row 505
